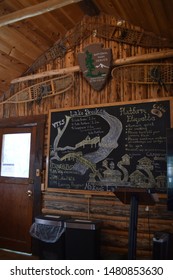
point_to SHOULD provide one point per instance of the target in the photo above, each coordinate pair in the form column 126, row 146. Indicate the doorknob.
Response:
column 29, row 193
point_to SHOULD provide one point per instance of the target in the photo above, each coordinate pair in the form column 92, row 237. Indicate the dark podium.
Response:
column 134, row 197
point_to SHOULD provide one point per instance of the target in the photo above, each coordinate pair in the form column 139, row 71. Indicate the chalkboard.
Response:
column 105, row 147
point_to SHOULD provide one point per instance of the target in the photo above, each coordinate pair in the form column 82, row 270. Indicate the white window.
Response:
column 15, row 156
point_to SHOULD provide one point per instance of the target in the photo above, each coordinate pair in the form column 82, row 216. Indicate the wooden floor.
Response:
column 11, row 255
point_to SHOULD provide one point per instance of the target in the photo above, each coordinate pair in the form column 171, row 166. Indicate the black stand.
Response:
column 133, row 228
column 134, row 196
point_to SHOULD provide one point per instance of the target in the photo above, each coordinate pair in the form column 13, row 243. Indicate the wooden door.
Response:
column 20, row 197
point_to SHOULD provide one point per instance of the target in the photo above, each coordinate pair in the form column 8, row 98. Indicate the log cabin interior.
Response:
column 89, row 83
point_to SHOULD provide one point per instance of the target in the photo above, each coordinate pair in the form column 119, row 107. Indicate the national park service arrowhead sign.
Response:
column 95, row 63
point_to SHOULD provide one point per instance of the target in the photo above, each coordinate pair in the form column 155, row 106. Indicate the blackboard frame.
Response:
column 159, row 109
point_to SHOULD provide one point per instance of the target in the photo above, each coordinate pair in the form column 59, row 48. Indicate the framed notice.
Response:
column 105, row 147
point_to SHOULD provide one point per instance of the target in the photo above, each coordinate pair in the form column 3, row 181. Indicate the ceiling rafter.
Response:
column 34, row 10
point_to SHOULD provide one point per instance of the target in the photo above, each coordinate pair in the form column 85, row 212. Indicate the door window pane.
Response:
column 15, row 155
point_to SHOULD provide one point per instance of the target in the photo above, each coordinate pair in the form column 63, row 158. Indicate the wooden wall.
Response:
column 105, row 207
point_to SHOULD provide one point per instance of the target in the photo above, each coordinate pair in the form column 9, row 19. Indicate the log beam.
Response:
column 117, row 62
column 34, row 10
column 144, row 57
column 46, row 74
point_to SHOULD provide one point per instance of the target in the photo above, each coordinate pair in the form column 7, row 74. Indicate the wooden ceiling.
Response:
column 30, row 27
